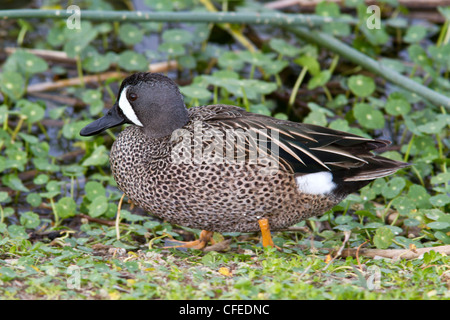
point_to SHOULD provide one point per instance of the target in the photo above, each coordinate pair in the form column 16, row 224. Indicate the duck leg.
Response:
column 205, row 237
column 265, row 231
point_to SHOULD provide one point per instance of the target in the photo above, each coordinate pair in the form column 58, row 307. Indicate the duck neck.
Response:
column 163, row 124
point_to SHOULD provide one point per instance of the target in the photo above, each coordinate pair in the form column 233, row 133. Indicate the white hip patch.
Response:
column 316, row 183
column 127, row 109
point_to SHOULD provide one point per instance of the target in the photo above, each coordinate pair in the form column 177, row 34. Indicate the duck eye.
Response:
column 132, row 96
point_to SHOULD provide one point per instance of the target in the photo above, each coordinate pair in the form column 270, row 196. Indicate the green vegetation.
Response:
column 58, row 200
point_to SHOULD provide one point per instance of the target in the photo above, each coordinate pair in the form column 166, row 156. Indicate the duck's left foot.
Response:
column 205, row 237
column 265, row 231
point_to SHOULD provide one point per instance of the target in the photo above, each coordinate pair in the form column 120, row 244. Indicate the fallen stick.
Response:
column 394, row 254
column 47, row 86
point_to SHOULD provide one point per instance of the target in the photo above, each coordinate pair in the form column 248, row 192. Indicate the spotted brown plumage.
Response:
column 316, row 167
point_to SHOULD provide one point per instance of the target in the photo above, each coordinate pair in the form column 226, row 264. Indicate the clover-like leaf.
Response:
column 310, row 62
column 319, row 79
column 196, row 92
column 12, row 84
column 98, row 157
column 415, row 34
column 130, row 34
column 179, row 36
column 98, row 206
column 361, row 86
column 29, row 63
column 393, row 187
column 172, row 49
column 29, row 220
column 66, row 207
column 397, row 107
column 94, row 189
column 368, row 117
column 383, row 238
column 230, row 60
column 96, row 63
column 283, row 47
column 33, row 111
column 440, row 200
column 132, row 61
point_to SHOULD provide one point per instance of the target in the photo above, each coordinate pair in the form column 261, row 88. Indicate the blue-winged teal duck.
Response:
column 222, row 169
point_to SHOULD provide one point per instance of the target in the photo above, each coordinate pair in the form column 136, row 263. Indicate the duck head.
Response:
column 151, row 101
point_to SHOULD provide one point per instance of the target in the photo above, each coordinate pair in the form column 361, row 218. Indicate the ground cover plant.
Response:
column 60, row 238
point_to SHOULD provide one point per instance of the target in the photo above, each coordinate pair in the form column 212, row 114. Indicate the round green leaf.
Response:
column 96, row 63
column 393, row 187
column 33, row 111
column 98, row 206
column 172, row 49
column 440, row 200
column 361, row 86
column 29, row 63
column 397, row 107
column 34, row 199
column 99, row 157
column 12, row 84
column 319, row 80
column 415, row 34
column 310, row 62
column 368, row 117
column 230, row 60
column 283, row 47
column 195, row 92
column 130, row 34
column 29, row 220
column 94, row 189
column 66, row 207
column 179, row 36
column 132, row 61
column 383, row 238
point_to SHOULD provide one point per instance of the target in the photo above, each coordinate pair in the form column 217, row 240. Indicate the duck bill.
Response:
column 112, row 119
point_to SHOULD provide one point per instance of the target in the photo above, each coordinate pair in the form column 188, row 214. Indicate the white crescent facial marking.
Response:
column 316, row 183
column 127, row 109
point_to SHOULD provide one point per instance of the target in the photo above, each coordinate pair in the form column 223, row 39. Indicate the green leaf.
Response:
column 96, row 63
column 132, row 61
column 361, row 86
column 419, row 56
column 230, row 60
column 327, row 9
column 12, row 84
column 396, row 107
column 393, row 187
column 419, row 196
column 179, row 36
column 33, row 111
column 438, row 225
column 415, row 34
column 383, row 238
column 368, row 117
column 66, row 207
column 194, row 91
column 94, row 189
column 12, row 181
column 310, row 62
column 283, row 47
column 130, row 34
column 440, row 200
column 172, row 49
column 29, row 220
column 159, row 5
column 99, row 157
column 29, row 63
column 319, row 80
column 34, row 199
column 98, row 206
